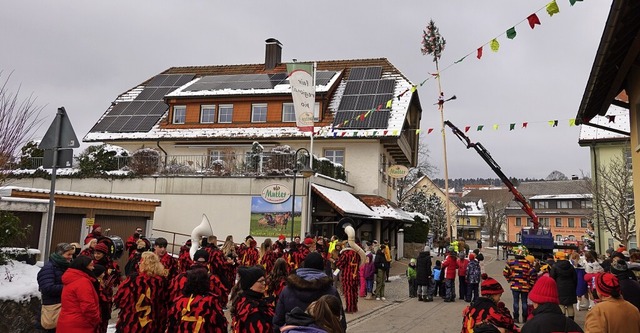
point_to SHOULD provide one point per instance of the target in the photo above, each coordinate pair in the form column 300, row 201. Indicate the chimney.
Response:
column 273, row 54
column 575, row 177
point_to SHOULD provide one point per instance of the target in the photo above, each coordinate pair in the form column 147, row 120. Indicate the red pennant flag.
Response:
column 533, row 20
column 379, row 107
column 524, row 125
column 384, row 132
column 362, row 117
column 343, row 134
column 467, row 128
column 479, row 53
column 429, row 131
column 612, row 119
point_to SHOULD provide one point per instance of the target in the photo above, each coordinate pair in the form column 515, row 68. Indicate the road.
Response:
column 403, row 314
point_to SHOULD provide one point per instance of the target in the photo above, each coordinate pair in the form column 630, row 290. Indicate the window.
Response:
column 558, row 238
column 572, row 238
column 586, row 204
column 288, row 113
column 207, row 114
column 179, row 114
column 583, row 222
column 541, row 204
column 518, row 221
column 564, row 204
column 316, row 111
column 518, row 237
column 572, row 222
column 558, row 222
column 259, row 113
column 544, row 221
column 335, row 155
column 225, row 113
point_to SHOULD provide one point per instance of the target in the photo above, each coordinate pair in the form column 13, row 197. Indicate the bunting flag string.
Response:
column 532, row 20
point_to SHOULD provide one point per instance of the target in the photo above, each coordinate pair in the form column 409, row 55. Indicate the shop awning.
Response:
column 386, row 209
column 344, row 202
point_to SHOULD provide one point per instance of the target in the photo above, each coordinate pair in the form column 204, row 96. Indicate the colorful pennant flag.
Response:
column 495, row 127
column 413, row 88
column 552, row 8
column 395, row 132
column 573, row 2
column 512, row 126
column 511, row 33
column 524, row 125
column 418, row 131
column 611, row 118
column 479, row 53
column 384, row 132
column 429, row 131
column 480, row 127
column 533, row 20
column 467, row 128
column 553, row 123
column 572, row 122
column 495, row 45
column 459, row 61
column 389, row 103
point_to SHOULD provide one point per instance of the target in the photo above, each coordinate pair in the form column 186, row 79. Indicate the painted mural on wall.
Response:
column 274, row 219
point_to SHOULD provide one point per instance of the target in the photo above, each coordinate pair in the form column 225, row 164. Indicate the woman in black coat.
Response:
column 567, row 280
column 423, row 275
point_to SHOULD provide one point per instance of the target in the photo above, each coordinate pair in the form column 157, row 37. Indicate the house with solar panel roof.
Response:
column 226, row 135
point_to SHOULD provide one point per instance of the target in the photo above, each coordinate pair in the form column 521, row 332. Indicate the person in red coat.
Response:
column 450, row 265
column 96, row 232
column 142, row 298
column 251, row 311
column 462, row 275
column 349, row 265
column 196, row 309
column 169, row 263
column 80, row 310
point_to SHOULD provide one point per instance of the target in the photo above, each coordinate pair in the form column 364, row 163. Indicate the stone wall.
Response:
column 19, row 317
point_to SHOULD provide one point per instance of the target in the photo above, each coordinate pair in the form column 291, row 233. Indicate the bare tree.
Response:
column 423, row 168
column 495, row 202
column 612, row 190
column 19, row 118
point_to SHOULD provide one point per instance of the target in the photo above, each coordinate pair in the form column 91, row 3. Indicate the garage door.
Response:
column 67, row 228
column 34, row 219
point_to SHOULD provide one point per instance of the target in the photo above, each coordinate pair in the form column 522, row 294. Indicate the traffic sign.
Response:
column 60, row 133
column 65, row 158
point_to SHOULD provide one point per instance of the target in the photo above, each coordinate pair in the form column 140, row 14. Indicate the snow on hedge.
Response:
column 18, row 281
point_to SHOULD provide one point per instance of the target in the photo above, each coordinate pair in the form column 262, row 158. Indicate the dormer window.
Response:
column 179, row 114
column 259, row 113
column 207, row 114
column 225, row 113
column 288, row 113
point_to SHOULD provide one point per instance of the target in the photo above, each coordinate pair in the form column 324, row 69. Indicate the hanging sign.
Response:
column 275, row 193
column 397, row 171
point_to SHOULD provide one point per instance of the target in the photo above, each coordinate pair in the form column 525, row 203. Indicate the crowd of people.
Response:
column 278, row 286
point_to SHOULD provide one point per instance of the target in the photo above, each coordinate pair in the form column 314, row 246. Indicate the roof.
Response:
column 620, row 121
column 561, row 196
column 391, row 126
column 555, row 187
column 8, row 190
column 385, row 208
column 344, row 202
column 618, row 50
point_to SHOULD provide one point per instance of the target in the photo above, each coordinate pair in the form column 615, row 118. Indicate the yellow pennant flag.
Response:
column 551, row 122
column 572, row 122
column 495, row 45
column 413, row 88
column 552, row 8
column 495, row 127
column 389, row 104
column 417, row 131
column 395, row 132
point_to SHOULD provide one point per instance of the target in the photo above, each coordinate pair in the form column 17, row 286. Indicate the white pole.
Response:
column 308, row 210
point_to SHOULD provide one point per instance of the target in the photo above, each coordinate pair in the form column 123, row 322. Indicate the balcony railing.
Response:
column 249, row 164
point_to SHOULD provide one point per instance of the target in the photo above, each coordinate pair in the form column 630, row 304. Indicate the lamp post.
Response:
column 306, row 172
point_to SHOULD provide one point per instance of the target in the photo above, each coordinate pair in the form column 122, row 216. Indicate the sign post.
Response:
column 59, row 135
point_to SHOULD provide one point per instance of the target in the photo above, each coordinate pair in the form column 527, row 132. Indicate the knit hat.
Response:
column 102, row 247
column 308, row 241
column 413, row 261
column 249, row 276
column 531, row 259
column 520, row 250
column 618, row 267
column 472, row 256
column 426, row 249
column 490, row 286
column 607, row 284
column 314, row 260
column 560, row 255
column 461, row 255
column 201, row 254
column 282, row 237
column 545, row 290
column 98, row 270
column 95, row 226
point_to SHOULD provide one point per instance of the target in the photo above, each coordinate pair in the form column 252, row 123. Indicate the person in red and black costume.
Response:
column 184, row 258
column 277, row 279
column 488, row 309
column 196, row 309
column 101, row 257
column 216, row 287
column 250, row 256
column 349, row 265
column 280, row 246
column 251, row 311
column 142, row 298
column 243, row 246
column 302, row 251
column 267, row 255
column 168, row 261
column 131, row 243
column 96, row 232
column 133, row 264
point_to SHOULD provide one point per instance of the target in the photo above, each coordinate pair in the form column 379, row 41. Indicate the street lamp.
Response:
column 306, row 172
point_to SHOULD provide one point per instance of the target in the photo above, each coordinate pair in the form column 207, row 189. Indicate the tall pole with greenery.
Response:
column 433, row 44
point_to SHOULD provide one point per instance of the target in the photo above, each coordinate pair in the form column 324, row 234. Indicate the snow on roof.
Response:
column 23, row 283
column 346, row 201
column 561, row 196
column 6, row 191
column 420, row 215
column 26, row 200
column 621, row 122
column 385, row 208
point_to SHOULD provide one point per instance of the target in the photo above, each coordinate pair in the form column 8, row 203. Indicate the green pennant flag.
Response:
column 459, row 61
column 480, row 128
column 511, row 33
column 552, row 8
column 573, row 2
column 512, row 126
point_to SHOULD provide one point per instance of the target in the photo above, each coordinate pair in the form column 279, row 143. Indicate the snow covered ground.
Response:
column 18, row 281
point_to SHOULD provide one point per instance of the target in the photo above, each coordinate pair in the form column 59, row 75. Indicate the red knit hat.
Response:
column 472, row 256
column 95, row 226
column 490, row 286
column 607, row 284
column 101, row 247
column 545, row 290
column 282, row 237
column 308, row 241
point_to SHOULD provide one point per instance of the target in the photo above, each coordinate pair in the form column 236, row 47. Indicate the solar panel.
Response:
column 157, row 109
column 103, row 124
column 386, row 86
column 157, row 80
column 348, row 103
column 132, row 108
column 373, row 73
column 369, row 87
column 365, row 102
column 147, row 123
column 357, row 73
column 118, row 108
column 353, row 87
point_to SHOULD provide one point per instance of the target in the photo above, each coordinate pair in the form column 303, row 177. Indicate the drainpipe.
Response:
column 164, row 151
column 595, row 179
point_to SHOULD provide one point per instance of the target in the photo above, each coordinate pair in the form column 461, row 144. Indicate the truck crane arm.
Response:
column 486, row 156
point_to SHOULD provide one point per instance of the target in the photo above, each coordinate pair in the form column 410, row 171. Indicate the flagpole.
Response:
column 313, row 128
column 444, row 149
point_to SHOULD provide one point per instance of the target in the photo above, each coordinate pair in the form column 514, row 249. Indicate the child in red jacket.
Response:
column 450, row 265
column 462, row 275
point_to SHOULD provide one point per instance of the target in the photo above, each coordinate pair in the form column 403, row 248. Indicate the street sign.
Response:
column 89, row 221
column 65, row 158
column 60, row 133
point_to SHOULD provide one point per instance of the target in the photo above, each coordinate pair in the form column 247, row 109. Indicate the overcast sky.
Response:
column 83, row 54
